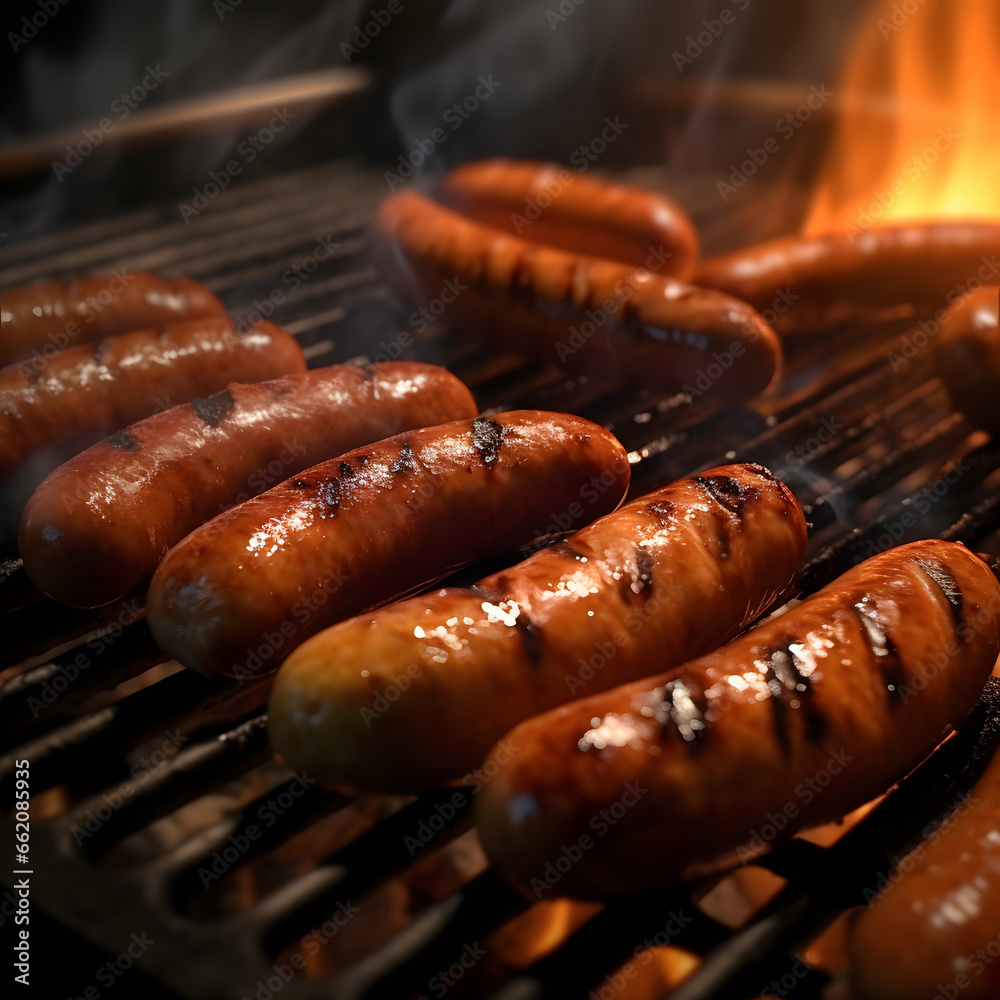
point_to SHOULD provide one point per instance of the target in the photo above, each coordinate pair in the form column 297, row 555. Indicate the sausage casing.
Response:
column 84, row 393
column 588, row 315
column 938, row 920
column 967, row 355
column 654, row 780
column 549, row 204
column 53, row 315
column 239, row 593
column 95, row 529
column 805, row 284
column 665, row 578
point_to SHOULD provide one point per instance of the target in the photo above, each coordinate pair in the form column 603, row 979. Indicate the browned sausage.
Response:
column 967, row 354
column 667, row 577
column 239, row 593
column 84, row 393
column 549, row 204
column 95, row 529
column 39, row 319
column 806, row 717
column 585, row 314
column 805, row 284
column 936, row 925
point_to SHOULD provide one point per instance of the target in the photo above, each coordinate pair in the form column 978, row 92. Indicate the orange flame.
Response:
column 917, row 133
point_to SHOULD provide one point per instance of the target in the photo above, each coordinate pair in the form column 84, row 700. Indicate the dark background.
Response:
column 559, row 79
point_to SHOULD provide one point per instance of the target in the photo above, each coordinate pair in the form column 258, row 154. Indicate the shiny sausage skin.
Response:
column 587, row 315
column 809, row 284
column 95, row 529
column 967, row 354
column 849, row 690
column 574, row 212
column 239, row 593
column 667, row 577
column 940, row 915
column 84, row 393
column 63, row 314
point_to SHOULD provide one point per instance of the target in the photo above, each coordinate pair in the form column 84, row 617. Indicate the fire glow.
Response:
column 916, row 133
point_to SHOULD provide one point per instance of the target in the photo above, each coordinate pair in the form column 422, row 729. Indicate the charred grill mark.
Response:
column 642, row 582
column 528, row 632
column 363, row 459
column 947, row 584
column 725, row 491
column 329, row 494
column 886, row 654
column 300, row 484
column 487, row 436
column 367, row 371
column 100, row 352
column 789, row 688
column 345, row 469
column 214, row 409
column 753, row 469
column 662, row 511
column 568, row 549
column 779, row 710
column 683, row 709
column 123, row 440
column 405, row 463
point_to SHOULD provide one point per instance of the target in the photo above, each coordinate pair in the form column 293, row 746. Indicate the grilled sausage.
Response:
column 804, row 717
column 84, row 393
column 967, row 354
column 549, row 204
column 96, row 527
column 808, row 284
column 585, row 314
column 667, row 577
column 53, row 315
column 238, row 594
column 937, row 924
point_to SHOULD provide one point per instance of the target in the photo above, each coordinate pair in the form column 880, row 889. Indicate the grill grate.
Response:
column 154, row 774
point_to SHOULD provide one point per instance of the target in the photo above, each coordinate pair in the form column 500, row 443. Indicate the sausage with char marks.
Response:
column 666, row 776
column 667, row 577
column 95, row 529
